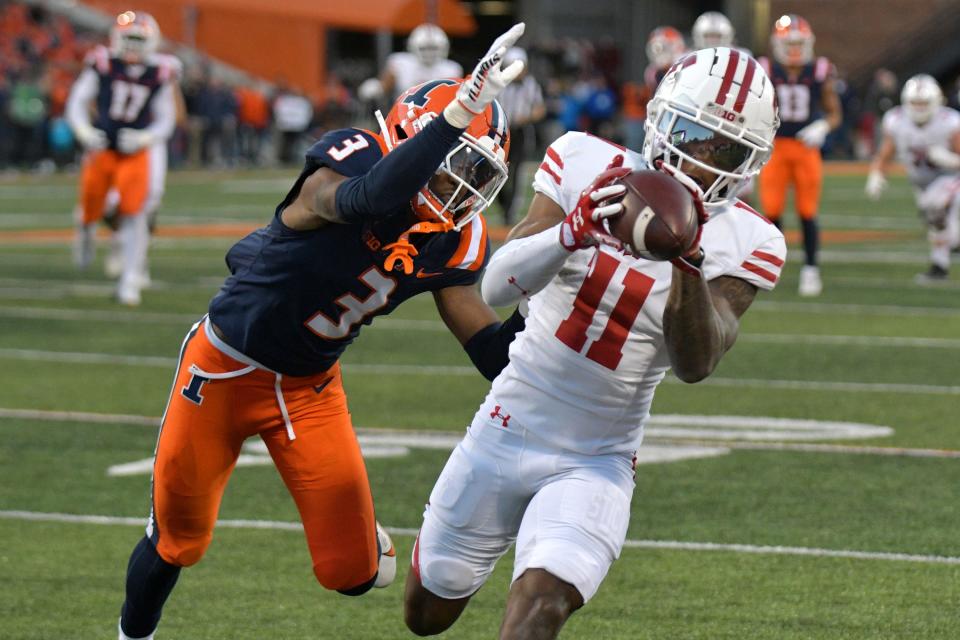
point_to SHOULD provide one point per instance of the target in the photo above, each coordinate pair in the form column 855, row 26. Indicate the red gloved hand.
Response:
column 583, row 227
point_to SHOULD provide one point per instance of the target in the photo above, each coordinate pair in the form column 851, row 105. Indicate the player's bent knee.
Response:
column 450, row 576
column 359, row 590
column 183, row 555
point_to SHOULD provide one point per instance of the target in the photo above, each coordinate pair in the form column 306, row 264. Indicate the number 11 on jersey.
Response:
column 608, row 349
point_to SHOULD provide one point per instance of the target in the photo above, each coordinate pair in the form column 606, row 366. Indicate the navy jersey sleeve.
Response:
column 349, row 152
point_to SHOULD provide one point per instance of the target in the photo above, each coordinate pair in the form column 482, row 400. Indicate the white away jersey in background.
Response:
column 408, row 71
column 583, row 372
column 913, row 141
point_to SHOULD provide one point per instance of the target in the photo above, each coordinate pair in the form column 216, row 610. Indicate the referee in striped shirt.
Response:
column 522, row 100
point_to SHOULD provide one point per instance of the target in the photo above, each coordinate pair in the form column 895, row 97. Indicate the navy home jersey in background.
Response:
column 128, row 89
column 296, row 299
column 798, row 98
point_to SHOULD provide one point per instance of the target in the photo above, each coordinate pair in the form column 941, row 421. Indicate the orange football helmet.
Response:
column 134, row 36
column 792, row 40
column 664, row 46
column 472, row 173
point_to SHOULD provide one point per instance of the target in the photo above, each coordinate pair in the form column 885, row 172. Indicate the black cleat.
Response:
column 935, row 273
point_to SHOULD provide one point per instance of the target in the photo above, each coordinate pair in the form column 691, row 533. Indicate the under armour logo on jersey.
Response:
column 192, row 391
column 503, row 418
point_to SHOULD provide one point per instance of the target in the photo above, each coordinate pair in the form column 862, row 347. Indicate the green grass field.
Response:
column 793, row 530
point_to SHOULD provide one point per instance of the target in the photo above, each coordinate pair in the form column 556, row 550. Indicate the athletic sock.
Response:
column 811, row 240
column 150, row 579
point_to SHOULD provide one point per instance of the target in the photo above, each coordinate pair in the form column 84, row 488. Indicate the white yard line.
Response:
column 404, row 324
column 73, row 357
column 856, row 309
column 662, row 429
column 672, row 545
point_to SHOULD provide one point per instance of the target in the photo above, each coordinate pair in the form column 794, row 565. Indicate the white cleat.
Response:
column 388, row 560
column 128, row 293
column 84, row 246
column 113, row 264
column 810, row 284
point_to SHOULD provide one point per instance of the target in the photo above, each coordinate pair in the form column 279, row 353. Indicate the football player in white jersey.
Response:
column 547, row 462
column 925, row 136
column 425, row 59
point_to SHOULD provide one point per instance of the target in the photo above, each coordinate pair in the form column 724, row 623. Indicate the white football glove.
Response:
column 486, row 82
column 91, row 138
column 132, row 140
column 943, row 158
column 876, row 184
column 370, row 89
column 814, row 134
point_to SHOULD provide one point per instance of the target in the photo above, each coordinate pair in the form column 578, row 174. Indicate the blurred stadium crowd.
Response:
column 266, row 123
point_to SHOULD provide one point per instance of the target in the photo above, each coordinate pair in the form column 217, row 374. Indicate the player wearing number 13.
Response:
column 547, row 460
column 373, row 219
column 131, row 88
column 809, row 110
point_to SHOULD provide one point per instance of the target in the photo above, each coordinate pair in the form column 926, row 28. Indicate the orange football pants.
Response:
column 216, row 403
column 792, row 162
column 103, row 170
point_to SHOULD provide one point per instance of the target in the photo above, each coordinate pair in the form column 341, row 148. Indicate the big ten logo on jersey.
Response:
column 606, row 350
column 354, row 308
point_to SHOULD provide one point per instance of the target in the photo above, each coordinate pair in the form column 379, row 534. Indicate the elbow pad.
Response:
column 489, row 348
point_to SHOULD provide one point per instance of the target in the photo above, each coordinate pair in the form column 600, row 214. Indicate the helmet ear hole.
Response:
column 399, row 132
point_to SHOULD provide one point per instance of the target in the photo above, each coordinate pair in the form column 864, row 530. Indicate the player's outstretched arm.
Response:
column 478, row 328
column 701, row 321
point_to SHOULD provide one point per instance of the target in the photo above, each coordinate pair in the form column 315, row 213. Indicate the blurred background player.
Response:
column 129, row 88
column 425, row 59
column 925, row 136
column 809, row 110
column 712, row 29
column 664, row 46
column 158, row 162
column 522, row 101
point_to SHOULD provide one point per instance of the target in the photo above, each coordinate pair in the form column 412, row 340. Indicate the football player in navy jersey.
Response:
column 371, row 221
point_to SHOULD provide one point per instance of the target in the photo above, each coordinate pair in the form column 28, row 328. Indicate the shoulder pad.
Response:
column 349, row 152
column 98, row 58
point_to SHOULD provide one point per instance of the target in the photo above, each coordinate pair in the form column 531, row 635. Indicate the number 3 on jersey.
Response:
column 608, row 348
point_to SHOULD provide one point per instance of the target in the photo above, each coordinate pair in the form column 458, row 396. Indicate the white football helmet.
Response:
column 429, row 43
column 921, row 97
column 712, row 29
column 664, row 46
column 134, row 36
column 792, row 40
column 715, row 109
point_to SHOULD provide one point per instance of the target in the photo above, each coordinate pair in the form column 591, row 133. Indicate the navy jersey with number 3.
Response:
column 296, row 299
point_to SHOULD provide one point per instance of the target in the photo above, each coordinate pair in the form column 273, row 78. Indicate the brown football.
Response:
column 659, row 220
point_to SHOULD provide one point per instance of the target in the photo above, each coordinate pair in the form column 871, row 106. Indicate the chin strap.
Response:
column 403, row 251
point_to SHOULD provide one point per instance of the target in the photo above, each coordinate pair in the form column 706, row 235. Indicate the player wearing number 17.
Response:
column 809, row 111
column 547, row 462
column 371, row 221
column 131, row 87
